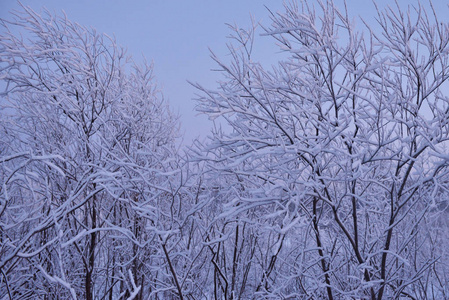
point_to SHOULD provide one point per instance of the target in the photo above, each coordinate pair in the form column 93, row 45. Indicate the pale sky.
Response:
column 176, row 36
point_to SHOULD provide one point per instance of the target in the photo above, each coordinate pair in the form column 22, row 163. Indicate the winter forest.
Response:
column 327, row 179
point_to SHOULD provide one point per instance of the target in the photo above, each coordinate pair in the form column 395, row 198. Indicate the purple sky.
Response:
column 176, row 35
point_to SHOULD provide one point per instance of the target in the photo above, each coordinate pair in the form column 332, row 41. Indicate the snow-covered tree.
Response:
column 330, row 174
column 91, row 183
column 328, row 179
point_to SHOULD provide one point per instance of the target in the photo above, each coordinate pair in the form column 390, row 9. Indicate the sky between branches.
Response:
column 177, row 34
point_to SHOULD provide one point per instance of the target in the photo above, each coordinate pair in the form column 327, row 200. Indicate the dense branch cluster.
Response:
column 329, row 179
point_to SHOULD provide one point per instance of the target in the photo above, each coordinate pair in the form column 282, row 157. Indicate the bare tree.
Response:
column 91, row 185
column 339, row 150
column 329, row 178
